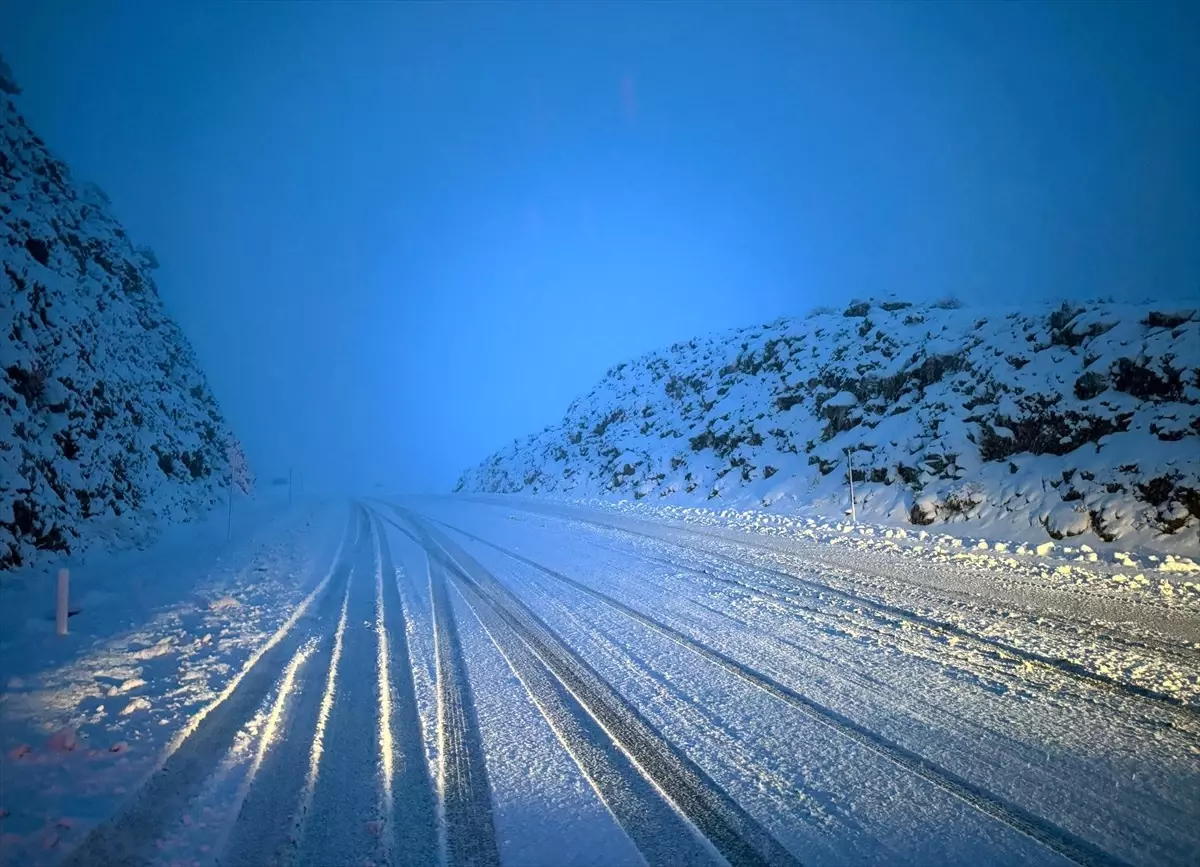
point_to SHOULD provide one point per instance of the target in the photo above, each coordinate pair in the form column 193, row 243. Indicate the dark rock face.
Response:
column 104, row 413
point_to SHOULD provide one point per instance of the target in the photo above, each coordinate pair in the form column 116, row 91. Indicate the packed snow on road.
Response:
column 507, row 680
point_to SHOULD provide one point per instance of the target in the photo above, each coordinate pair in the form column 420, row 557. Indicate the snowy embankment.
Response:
column 107, row 423
column 1122, row 572
column 1079, row 421
column 159, row 634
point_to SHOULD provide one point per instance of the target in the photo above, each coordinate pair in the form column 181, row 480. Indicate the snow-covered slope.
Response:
column 105, row 417
column 1071, row 420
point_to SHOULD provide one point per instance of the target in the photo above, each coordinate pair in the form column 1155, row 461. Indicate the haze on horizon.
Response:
column 400, row 235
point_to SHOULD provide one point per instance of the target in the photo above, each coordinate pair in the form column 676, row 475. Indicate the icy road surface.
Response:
column 483, row 682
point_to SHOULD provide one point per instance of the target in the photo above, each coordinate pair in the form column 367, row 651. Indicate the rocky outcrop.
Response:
column 1074, row 418
column 104, row 412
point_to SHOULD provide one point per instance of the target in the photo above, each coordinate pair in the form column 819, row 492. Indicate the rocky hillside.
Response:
column 105, row 417
column 1070, row 420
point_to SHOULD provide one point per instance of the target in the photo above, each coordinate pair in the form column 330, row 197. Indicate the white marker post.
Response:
column 63, row 594
column 850, row 471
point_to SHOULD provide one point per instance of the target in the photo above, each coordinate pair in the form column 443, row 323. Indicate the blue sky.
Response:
column 399, row 235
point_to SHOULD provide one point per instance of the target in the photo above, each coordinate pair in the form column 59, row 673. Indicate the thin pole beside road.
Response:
column 850, row 471
column 61, row 610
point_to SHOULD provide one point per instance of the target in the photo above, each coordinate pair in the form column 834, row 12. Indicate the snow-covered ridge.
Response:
column 1079, row 419
column 105, row 417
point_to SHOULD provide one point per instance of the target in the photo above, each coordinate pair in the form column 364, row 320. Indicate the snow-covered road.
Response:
column 490, row 682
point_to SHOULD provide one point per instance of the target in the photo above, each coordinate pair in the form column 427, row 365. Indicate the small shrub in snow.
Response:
column 1167, row 318
column 39, row 250
column 1063, row 315
column 924, row 511
column 1091, row 384
column 239, row 468
column 29, row 383
column 8, row 84
column 950, row 302
column 149, row 256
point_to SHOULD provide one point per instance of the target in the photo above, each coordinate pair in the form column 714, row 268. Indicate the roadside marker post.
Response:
column 850, row 471
column 61, row 612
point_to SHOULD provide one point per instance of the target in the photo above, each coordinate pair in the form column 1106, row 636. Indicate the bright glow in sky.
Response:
column 399, row 235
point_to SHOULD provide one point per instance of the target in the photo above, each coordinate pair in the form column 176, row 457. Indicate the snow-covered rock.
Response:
column 1072, row 419
column 1066, row 520
column 105, row 417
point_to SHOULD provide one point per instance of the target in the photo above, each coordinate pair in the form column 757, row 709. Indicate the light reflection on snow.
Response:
column 314, row 759
column 386, row 749
column 271, row 728
column 279, row 635
column 271, row 724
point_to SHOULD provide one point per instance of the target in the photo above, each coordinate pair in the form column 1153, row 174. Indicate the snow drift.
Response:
column 104, row 414
column 1071, row 419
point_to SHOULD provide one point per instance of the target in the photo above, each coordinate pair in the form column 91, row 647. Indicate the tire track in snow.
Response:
column 870, row 576
column 256, row 847
column 736, row 835
column 355, row 794
column 746, row 539
column 958, row 601
column 751, row 639
column 767, row 783
column 413, row 813
column 846, row 620
column 124, row 838
column 469, row 833
column 272, row 816
column 344, row 823
column 1060, row 666
column 661, row 834
column 1050, row 835
column 276, row 802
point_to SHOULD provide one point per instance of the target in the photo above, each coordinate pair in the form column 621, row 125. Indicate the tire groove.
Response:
column 122, row 840
column 662, row 835
column 413, row 819
column 1045, row 832
column 996, row 660
column 732, row 831
column 470, row 834
column 345, row 824
column 1060, row 666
